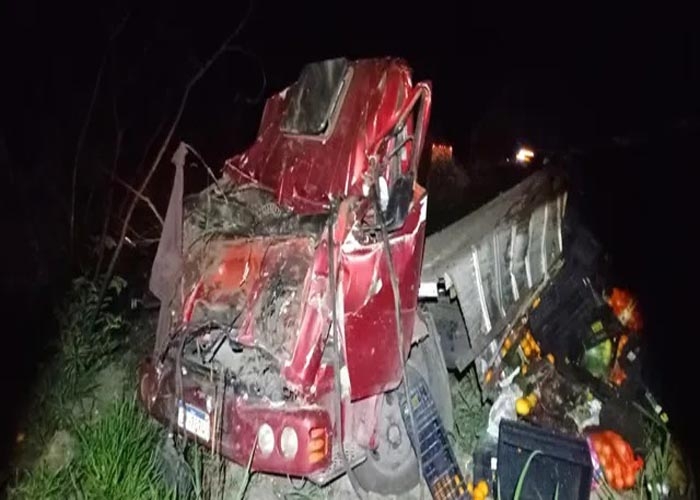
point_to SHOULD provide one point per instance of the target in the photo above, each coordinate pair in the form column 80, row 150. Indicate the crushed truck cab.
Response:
column 247, row 359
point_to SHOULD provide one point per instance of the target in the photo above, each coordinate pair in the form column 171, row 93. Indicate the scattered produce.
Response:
column 524, row 405
column 625, row 308
column 529, row 345
column 598, row 358
column 532, row 399
column 617, row 459
column 617, row 374
column 480, row 491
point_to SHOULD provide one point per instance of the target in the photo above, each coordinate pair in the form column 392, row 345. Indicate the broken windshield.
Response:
column 314, row 97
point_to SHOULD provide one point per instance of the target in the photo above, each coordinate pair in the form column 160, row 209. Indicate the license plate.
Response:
column 194, row 420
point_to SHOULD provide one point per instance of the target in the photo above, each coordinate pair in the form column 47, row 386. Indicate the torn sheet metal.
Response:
column 322, row 152
column 496, row 256
column 370, row 325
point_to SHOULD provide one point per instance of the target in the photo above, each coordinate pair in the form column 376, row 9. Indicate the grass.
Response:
column 41, row 483
column 117, row 454
column 657, row 462
column 78, row 354
column 523, row 474
column 116, row 459
column 107, row 455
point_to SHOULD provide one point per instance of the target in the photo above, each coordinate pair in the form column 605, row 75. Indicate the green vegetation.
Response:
column 523, row 474
column 116, row 458
column 88, row 335
column 660, row 469
column 71, row 448
column 471, row 414
column 83, row 442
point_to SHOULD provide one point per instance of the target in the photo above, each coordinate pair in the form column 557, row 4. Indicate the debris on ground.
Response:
column 587, row 387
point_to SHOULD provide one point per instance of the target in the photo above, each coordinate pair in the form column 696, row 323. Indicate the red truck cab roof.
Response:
column 315, row 135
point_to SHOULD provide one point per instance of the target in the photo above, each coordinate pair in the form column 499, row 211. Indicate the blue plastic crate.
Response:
column 439, row 465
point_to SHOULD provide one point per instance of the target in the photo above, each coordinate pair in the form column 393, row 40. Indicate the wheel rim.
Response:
column 394, row 449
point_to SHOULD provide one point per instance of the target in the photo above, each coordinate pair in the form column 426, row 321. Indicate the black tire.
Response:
column 393, row 468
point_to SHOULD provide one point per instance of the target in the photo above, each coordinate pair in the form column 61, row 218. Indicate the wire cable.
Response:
column 399, row 325
column 359, row 491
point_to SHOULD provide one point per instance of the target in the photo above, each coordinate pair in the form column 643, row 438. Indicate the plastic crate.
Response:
column 440, row 468
column 564, row 462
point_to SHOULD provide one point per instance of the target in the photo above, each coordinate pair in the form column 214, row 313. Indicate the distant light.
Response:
column 524, row 155
column 440, row 152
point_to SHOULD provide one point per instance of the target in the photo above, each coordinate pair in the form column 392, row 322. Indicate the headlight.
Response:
column 266, row 439
column 289, row 443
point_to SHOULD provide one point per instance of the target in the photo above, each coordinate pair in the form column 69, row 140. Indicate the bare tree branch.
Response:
column 139, row 239
column 108, row 207
column 261, row 67
column 123, row 205
column 141, row 197
column 206, row 166
column 84, row 130
column 161, row 152
column 79, row 150
column 118, row 130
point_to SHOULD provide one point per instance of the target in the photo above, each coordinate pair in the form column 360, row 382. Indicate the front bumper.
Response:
column 219, row 417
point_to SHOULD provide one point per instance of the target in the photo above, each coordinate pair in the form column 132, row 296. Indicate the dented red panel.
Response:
column 258, row 287
column 301, row 370
column 371, row 344
column 303, row 171
column 241, row 419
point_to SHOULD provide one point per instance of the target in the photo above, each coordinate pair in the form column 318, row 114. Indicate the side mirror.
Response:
column 408, row 125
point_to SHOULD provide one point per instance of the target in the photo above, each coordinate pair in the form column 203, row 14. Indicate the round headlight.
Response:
column 289, row 443
column 266, row 439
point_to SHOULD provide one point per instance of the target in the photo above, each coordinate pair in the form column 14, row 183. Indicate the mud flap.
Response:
column 438, row 463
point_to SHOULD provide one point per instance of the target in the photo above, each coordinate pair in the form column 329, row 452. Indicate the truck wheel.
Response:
column 393, row 467
column 434, row 370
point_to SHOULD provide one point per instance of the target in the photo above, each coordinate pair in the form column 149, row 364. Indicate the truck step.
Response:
column 439, row 465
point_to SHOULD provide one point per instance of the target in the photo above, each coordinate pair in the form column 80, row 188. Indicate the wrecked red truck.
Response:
column 290, row 287
column 278, row 339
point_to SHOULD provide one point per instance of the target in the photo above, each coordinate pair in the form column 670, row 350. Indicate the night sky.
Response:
column 616, row 85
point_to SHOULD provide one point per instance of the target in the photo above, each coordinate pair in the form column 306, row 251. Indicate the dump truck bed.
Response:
column 492, row 262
